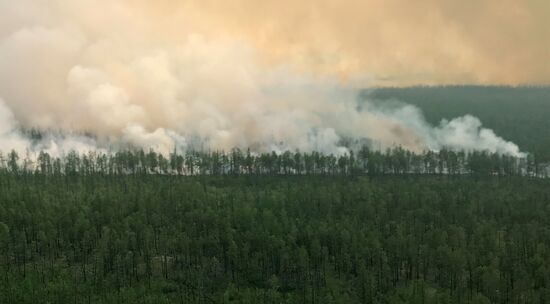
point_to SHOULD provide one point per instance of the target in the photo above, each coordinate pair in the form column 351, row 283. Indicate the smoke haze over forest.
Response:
column 167, row 74
column 275, row 151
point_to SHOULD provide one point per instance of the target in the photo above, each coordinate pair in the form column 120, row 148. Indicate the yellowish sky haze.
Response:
column 396, row 42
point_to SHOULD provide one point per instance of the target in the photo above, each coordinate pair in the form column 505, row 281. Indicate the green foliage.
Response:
column 156, row 238
column 395, row 161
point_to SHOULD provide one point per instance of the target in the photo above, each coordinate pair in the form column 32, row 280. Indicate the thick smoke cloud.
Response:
column 133, row 74
column 57, row 145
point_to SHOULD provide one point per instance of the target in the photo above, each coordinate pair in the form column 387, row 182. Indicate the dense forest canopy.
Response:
column 519, row 114
column 273, row 239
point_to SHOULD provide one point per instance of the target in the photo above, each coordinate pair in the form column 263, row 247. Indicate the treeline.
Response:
column 273, row 239
column 365, row 161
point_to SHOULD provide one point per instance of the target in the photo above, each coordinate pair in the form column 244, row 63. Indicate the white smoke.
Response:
column 466, row 133
column 11, row 138
column 113, row 77
column 461, row 133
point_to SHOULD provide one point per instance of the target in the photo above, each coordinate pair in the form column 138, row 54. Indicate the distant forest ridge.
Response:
column 520, row 114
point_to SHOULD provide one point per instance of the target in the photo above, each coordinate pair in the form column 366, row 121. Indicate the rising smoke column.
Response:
column 131, row 80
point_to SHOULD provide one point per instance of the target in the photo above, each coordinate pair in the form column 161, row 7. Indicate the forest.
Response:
column 392, row 161
column 274, row 152
column 239, row 227
column 367, row 226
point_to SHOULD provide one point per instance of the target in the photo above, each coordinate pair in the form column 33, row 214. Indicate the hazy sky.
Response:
column 398, row 41
column 395, row 42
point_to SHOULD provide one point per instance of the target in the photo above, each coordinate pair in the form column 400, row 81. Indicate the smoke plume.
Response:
column 133, row 77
